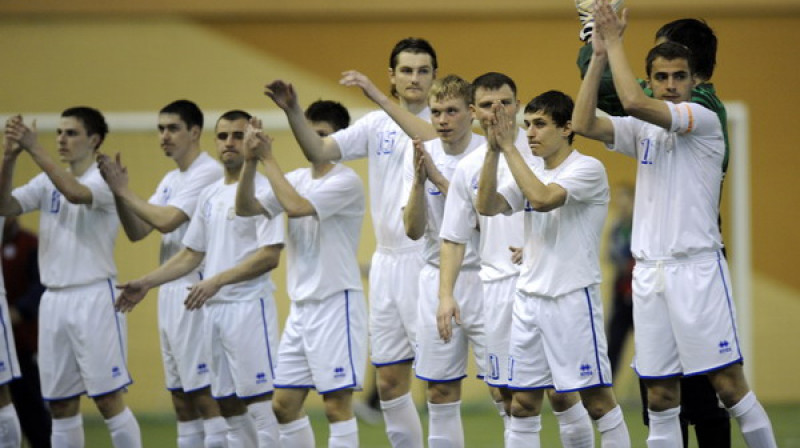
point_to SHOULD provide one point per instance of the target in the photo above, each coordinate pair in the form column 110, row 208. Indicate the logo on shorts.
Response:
column 261, row 378
column 724, row 347
column 528, row 206
column 2, row 366
column 202, row 368
column 586, row 370
column 338, row 372
column 115, row 372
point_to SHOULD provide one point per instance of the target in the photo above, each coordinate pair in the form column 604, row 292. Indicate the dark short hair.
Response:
column 92, row 120
column 233, row 115
column 669, row 51
column 187, row 110
column 413, row 45
column 558, row 105
column 698, row 37
column 328, row 111
column 492, row 81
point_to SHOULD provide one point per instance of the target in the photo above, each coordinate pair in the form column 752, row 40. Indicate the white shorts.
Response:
column 324, row 344
column 684, row 317
column 498, row 306
column 559, row 342
column 439, row 361
column 243, row 338
column 186, row 361
column 82, row 342
column 393, row 284
column 9, row 364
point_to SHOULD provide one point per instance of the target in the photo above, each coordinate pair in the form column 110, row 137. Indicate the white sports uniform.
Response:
column 324, row 344
column 396, row 262
column 241, row 323
column 186, row 363
column 437, row 360
column 497, row 234
column 82, row 340
column 9, row 364
column 684, row 315
column 557, row 336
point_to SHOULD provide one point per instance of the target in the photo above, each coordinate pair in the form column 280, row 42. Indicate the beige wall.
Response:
column 140, row 65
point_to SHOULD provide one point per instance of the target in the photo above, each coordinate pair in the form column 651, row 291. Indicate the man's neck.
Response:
column 186, row 161
column 558, row 157
column 232, row 174
column 457, row 147
column 79, row 167
column 414, row 108
column 320, row 169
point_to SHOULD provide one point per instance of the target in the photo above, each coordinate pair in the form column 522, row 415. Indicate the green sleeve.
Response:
column 607, row 99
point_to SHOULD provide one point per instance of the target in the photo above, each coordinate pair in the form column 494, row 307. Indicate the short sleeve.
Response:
column 460, row 218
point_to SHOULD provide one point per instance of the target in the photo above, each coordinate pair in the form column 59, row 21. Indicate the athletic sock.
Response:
column 266, row 423
column 242, row 431
column 9, row 427
column 297, row 434
column 444, row 425
column 665, row 428
column 613, row 430
column 575, row 427
column 67, row 432
column 753, row 422
column 523, row 432
column 216, row 432
column 124, row 430
column 344, row 434
column 501, row 411
column 190, row 434
column 403, row 426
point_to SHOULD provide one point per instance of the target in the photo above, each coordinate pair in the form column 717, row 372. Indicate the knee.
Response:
column 561, row 401
column 110, row 405
column 285, row 409
column 203, row 403
column 662, row 396
column 393, row 381
column 183, row 406
column 231, row 407
column 524, row 404
column 64, row 408
column 441, row 393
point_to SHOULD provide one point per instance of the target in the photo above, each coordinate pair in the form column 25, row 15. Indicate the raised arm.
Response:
column 315, row 148
column 489, row 201
column 11, row 150
column 415, row 211
column 246, row 202
column 411, row 124
column 585, row 121
column 176, row 267
column 138, row 217
column 451, row 256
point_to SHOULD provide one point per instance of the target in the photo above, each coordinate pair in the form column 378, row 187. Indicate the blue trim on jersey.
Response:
column 188, row 391
column 124, row 386
column 266, row 339
column 714, row 369
column 384, row 364
column 8, row 346
column 246, row 397
column 323, row 392
column 730, row 303
column 594, row 337
column 78, row 395
column 430, row 380
column 293, row 386
column 659, row 377
column 578, row 389
column 222, row 397
column 530, row 388
column 349, row 337
column 119, row 331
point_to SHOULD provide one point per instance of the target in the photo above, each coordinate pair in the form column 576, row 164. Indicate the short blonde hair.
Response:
column 451, row 86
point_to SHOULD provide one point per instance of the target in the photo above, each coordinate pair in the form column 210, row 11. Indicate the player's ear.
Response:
column 195, row 131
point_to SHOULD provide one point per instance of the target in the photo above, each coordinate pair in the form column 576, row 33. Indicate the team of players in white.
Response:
column 533, row 319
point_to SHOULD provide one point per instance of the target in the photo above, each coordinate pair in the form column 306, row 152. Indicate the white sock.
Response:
column 266, row 423
column 444, row 425
column 9, row 427
column 501, row 411
column 613, row 430
column 753, row 422
column 242, row 431
column 665, row 428
column 403, row 426
column 575, row 427
column 124, row 430
column 67, row 432
column 344, row 434
column 523, row 432
column 297, row 434
column 190, row 434
column 216, row 432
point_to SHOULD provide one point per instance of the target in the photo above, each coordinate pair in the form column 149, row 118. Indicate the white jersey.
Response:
column 497, row 233
column 377, row 137
column 562, row 246
column 228, row 239
column 677, row 182
column 322, row 249
column 180, row 189
column 76, row 242
column 435, row 199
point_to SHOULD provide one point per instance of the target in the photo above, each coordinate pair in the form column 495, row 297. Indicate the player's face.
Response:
column 484, row 99
column 322, row 128
column 176, row 139
column 544, row 137
column 671, row 80
column 452, row 119
column 229, row 137
column 413, row 76
column 74, row 145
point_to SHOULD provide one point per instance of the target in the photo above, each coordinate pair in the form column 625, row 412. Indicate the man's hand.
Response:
column 282, row 93
column 352, row 78
column 516, row 254
column 420, row 161
column 447, row 312
column 115, row 175
column 501, row 130
column 608, row 26
column 257, row 144
column 17, row 132
column 200, row 292
column 132, row 293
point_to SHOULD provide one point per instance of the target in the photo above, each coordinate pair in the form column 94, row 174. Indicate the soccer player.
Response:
column 684, row 318
column 240, row 324
column 556, row 334
column 396, row 263
column 324, row 339
column 499, row 273
column 428, row 169
column 78, row 226
column 180, row 125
